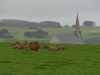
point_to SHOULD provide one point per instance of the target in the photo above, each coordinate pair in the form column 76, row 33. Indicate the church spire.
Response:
column 77, row 25
column 77, row 28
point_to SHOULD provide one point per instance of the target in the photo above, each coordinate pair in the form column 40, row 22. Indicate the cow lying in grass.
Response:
column 26, row 42
column 34, row 43
column 26, row 46
column 61, row 47
column 45, row 47
column 19, row 47
column 52, row 48
column 16, row 43
column 34, row 46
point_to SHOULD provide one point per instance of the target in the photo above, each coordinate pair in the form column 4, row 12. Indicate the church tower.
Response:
column 77, row 28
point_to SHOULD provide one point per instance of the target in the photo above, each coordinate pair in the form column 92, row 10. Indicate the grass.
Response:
column 77, row 60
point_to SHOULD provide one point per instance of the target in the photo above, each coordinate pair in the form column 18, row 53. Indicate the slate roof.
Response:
column 71, row 38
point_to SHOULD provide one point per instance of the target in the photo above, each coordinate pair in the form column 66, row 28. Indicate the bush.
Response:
column 5, row 34
column 37, row 34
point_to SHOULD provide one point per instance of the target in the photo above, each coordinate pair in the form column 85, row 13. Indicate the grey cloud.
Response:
column 63, row 11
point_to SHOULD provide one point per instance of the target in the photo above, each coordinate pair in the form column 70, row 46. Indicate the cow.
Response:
column 61, row 47
column 45, row 47
column 52, row 48
column 35, row 47
column 19, row 47
column 34, row 43
column 16, row 42
column 26, row 46
column 26, row 43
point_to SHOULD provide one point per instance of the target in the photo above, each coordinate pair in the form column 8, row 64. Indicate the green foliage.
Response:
column 1, row 23
column 18, row 23
column 73, row 25
column 5, row 34
column 22, row 23
column 89, row 23
column 77, row 60
column 66, row 26
column 50, row 24
column 37, row 34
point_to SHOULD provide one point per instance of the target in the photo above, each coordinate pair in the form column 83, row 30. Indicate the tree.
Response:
column 66, row 26
column 50, row 24
column 36, row 34
column 5, row 34
column 73, row 25
column 89, row 23
column 18, row 23
column 1, row 23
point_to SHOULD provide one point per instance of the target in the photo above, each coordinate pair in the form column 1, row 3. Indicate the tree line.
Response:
column 22, row 23
column 35, row 25
column 87, row 24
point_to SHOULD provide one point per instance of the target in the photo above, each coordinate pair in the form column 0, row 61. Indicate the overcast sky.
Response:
column 62, row 11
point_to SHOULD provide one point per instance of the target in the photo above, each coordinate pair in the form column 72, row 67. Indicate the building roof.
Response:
column 71, row 38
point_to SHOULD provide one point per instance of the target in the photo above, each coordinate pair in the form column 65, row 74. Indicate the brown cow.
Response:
column 34, row 43
column 26, row 43
column 19, row 47
column 45, row 47
column 16, row 42
column 35, row 47
column 26, row 46
column 52, row 48
column 61, row 47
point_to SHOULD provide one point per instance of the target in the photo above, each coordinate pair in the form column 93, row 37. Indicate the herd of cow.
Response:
column 34, row 46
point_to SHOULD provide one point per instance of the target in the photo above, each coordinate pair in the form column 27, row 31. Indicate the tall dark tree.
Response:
column 89, row 23
column 5, row 34
column 73, row 25
column 1, row 23
column 66, row 26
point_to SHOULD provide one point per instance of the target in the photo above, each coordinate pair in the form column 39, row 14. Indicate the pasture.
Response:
column 89, row 33
column 77, row 60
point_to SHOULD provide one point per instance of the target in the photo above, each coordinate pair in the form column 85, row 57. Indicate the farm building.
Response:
column 71, row 38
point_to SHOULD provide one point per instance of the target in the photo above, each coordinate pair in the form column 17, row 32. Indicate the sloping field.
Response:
column 90, row 34
column 77, row 60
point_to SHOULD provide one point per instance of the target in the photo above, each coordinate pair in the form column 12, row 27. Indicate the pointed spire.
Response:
column 77, row 26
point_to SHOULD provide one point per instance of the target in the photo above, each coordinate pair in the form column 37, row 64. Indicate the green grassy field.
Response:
column 90, row 34
column 77, row 60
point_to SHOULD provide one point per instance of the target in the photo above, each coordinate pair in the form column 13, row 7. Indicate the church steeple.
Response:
column 77, row 26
